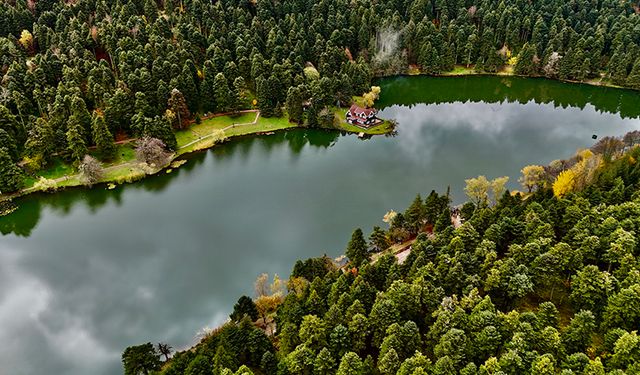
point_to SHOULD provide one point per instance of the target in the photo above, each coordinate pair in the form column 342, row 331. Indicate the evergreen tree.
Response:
column 312, row 116
column 415, row 215
column 244, row 307
column 350, row 364
column 101, row 136
column 75, row 139
column 160, row 127
column 294, row 105
column 187, row 87
column 633, row 80
column 79, row 110
column 357, row 248
column 324, row 364
column 208, row 94
column 444, row 220
column 525, row 64
column 240, row 100
column 11, row 176
column 9, row 144
column 222, row 93
column 141, row 359
column 178, row 107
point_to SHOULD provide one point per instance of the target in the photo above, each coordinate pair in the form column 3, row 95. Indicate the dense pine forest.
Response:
column 78, row 75
column 546, row 282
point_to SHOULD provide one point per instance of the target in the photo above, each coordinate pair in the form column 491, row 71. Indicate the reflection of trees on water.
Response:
column 25, row 219
column 489, row 89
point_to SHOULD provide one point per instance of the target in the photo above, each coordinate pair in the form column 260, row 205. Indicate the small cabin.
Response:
column 363, row 117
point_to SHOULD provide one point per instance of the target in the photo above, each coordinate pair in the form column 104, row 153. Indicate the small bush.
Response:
column 90, row 170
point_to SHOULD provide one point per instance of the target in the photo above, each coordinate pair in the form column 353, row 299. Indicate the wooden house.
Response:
column 362, row 117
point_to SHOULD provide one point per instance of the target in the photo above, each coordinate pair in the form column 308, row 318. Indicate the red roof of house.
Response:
column 357, row 110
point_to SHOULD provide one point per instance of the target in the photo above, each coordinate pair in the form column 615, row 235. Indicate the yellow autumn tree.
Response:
column 477, row 189
column 26, row 39
column 532, row 176
column 565, row 183
column 268, row 297
column 586, row 168
column 371, row 96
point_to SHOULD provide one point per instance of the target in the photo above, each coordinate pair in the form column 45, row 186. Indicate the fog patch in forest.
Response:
column 387, row 42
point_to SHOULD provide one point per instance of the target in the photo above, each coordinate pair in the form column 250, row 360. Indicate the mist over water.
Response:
column 86, row 273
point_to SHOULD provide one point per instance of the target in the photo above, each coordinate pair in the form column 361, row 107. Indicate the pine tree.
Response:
column 312, row 116
column 10, row 124
column 584, row 69
column 11, row 177
column 264, row 97
column 444, row 220
column 222, row 94
column 415, row 215
column 75, row 139
column 102, row 138
column 7, row 142
column 378, row 239
column 178, row 106
column 277, row 110
column 160, row 127
column 618, row 67
column 357, row 248
column 525, row 64
column 187, row 87
column 294, row 105
column 239, row 99
column 350, row 364
column 324, row 363
column 633, row 80
column 79, row 110
column 389, row 363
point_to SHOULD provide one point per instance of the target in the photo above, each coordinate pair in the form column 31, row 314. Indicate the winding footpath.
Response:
column 216, row 132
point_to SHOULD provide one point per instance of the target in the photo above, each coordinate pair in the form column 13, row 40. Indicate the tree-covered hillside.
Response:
column 546, row 282
column 76, row 74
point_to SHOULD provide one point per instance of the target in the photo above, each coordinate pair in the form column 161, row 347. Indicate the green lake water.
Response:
column 86, row 273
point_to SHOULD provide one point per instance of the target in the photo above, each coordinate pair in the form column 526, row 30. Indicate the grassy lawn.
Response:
column 262, row 125
column 460, row 70
column 124, row 153
column 196, row 131
column 383, row 128
column 125, row 173
column 57, row 169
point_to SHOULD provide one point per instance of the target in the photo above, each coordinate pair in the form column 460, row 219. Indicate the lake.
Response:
column 86, row 273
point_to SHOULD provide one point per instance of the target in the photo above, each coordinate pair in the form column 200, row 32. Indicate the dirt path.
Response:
column 223, row 130
column 77, row 175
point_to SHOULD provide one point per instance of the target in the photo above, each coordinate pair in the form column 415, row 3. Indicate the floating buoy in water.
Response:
column 594, row 137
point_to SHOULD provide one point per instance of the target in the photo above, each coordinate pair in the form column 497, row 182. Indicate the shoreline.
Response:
column 132, row 171
column 129, row 170
column 462, row 71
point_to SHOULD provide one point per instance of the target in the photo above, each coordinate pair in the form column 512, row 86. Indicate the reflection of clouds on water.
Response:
column 25, row 318
column 424, row 129
column 163, row 258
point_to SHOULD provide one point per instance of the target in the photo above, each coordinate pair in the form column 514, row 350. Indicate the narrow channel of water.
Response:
column 85, row 273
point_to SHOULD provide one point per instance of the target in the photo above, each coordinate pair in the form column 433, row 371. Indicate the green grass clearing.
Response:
column 208, row 126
